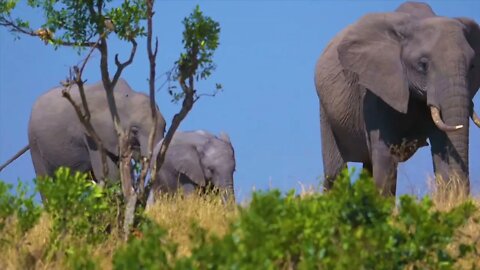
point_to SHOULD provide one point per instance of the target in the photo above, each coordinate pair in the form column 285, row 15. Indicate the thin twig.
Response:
column 79, row 81
column 198, row 96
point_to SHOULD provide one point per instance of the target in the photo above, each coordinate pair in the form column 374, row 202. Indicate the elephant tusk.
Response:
column 439, row 122
column 475, row 118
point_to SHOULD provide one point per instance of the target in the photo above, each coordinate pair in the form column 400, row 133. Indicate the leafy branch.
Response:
column 200, row 40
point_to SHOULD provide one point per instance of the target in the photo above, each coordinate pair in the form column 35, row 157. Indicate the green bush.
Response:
column 149, row 251
column 20, row 207
column 350, row 226
column 77, row 206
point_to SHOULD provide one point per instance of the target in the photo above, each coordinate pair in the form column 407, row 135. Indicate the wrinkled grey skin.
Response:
column 57, row 137
column 196, row 159
column 375, row 82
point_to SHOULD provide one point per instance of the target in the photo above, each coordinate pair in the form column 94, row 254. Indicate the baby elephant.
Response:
column 196, row 160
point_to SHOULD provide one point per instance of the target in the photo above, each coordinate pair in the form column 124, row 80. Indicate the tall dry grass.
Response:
column 448, row 193
column 175, row 213
column 25, row 252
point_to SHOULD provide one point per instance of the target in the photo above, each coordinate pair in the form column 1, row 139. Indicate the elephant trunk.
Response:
column 455, row 110
column 228, row 193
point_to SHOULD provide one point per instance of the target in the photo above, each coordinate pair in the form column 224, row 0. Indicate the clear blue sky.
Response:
column 265, row 62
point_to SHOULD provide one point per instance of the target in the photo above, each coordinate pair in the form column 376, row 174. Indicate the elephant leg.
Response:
column 39, row 164
column 333, row 162
column 384, row 165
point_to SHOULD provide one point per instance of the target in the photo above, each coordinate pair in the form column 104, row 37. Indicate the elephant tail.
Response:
column 17, row 155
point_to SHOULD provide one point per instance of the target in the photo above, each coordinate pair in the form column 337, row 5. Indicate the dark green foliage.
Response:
column 81, row 21
column 77, row 206
column 6, row 6
column 200, row 40
column 128, row 18
column 20, row 206
column 148, row 250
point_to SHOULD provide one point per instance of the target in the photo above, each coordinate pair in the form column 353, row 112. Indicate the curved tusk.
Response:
column 439, row 122
column 475, row 118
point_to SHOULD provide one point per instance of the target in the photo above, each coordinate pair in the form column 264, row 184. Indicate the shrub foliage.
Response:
column 352, row 225
column 77, row 206
column 19, row 208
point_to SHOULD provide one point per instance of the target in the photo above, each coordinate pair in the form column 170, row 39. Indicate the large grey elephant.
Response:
column 391, row 81
column 57, row 137
column 196, row 159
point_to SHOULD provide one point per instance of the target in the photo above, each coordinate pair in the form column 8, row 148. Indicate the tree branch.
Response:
column 16, row 28
column 152, row 54
column 187, row 105
column 85, row 116
column 13, row 27
column 124, row 147
column 88, row 126
column 79, row 81
column 121, row 66
column 17, row 155
column 197, row 97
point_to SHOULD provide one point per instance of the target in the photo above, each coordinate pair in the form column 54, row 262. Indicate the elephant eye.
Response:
column 422, row 65
column 472, row 66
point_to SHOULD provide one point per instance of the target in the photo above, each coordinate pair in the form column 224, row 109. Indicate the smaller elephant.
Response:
column 196, row 160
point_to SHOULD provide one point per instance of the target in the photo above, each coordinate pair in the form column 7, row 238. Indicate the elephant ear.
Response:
column 371, row 48
column 224, row 137
column 185, row 159
column 472, row 33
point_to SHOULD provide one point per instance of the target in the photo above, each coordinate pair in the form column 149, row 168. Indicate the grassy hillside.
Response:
column 351, row 225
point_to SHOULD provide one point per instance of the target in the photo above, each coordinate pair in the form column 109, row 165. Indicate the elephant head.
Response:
column 139, row 122
column 207, row 161
column 412, row 53
column 135, row 117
